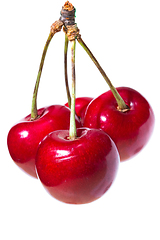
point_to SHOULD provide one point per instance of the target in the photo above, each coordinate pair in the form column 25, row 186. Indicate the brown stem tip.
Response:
column 56, row 26
column 68, row 6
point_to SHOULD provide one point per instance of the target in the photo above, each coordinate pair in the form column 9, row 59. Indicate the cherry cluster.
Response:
column 75, row 149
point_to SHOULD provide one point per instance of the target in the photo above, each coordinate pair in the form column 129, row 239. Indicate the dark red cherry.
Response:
column 81, row 105
column 77, row 171
column 130, row 129
column 24, row 137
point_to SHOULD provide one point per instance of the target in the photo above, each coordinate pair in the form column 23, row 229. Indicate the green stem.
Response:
column 72, row 130
column 121, row 104
column 34, row 112
column 65, row 70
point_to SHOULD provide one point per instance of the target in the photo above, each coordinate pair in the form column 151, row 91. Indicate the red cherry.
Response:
column 77, row 171
column 130, row 130
column 81, row 105
column 24, row 137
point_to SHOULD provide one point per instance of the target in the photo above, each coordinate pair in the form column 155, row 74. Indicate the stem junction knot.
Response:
column 72, row 32
column 56, row 26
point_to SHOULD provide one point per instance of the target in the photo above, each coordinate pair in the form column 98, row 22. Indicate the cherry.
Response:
column 76, row 166
column 81, row 105
column 24, row 137
column 128, row 121
column 77, row 171
column 131, row 128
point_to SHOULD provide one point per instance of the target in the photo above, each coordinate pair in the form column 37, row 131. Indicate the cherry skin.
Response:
column 130, row 130
column 24, row 137
column 77, row 171
column 81, row 105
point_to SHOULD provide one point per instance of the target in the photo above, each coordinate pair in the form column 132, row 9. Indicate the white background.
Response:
column 124, row 37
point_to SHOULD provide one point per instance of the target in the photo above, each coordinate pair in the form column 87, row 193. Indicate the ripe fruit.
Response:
column 24, row 137
column 77, row 171
column 76, row 166
column 81, row 105
column 129, row 129
column 79, row 165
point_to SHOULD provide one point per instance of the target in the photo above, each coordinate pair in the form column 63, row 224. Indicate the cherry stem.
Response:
column 72, row 130
column 121, row 104
column 56, row 27
column 34, row 112
column 65, row 70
